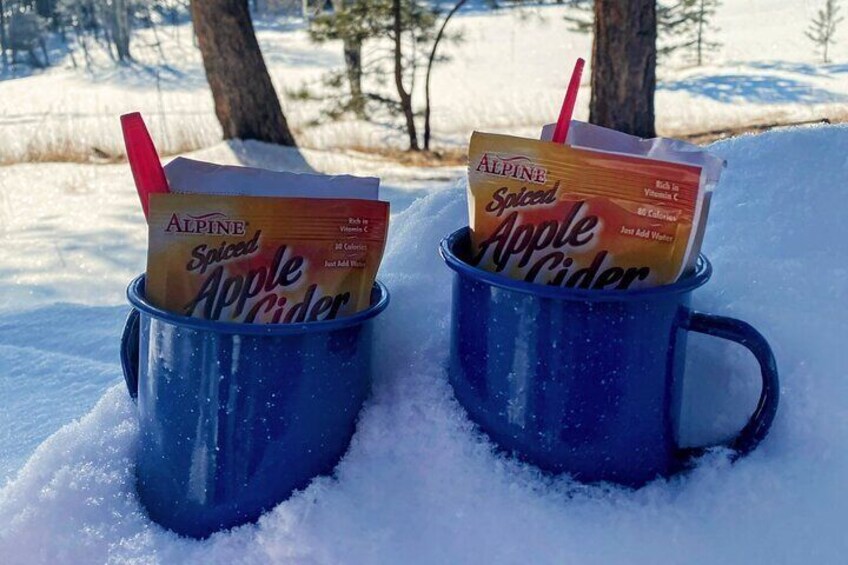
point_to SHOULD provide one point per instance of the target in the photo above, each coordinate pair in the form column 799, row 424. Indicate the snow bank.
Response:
column 420, row 485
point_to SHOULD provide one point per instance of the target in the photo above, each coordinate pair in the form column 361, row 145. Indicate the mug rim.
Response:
column 703, row 272
column 137, row 298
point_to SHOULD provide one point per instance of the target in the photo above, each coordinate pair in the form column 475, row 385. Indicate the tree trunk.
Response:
column 701, row 17
column 405, row 97
column 245, row 100
column 430, row 61
column 352, row 51
column 624, row 60
column 353, row 68
column 3, row 34
column 44, row 8
column 121, row 29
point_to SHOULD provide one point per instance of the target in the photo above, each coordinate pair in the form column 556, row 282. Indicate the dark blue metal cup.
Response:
column 586, row 382
column 234, row 417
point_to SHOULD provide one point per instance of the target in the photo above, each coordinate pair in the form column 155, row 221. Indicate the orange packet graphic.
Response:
column 553, row 214
column 263, row 260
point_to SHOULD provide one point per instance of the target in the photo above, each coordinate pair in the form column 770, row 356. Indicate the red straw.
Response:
column 561, row 130
column 144, row 161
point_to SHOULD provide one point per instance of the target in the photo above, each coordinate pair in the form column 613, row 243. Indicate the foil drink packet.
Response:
column 581, row 217
column 217, row 251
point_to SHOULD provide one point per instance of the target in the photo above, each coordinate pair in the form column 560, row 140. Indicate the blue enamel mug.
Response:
column 235, row 417
column 586, row 382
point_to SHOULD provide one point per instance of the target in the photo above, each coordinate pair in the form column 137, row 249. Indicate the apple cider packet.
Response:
column 258, row 259
column 574, row 217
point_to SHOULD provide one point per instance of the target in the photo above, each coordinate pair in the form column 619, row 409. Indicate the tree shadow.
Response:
column 107, row 250
column 789, row 67
column 762, row 89
column 837, row 68
column 295, row 57
column 57, row 329
column 102, row 243
column 55, row 362
column 808, row 69
column 284, row 21
column 142, row 76
column 56, row 53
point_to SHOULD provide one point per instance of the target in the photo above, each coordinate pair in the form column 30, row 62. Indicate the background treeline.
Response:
column 29, row 27
column 390, row 51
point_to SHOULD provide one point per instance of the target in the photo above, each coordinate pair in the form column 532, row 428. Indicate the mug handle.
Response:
column 744, row 334
column 129, row 352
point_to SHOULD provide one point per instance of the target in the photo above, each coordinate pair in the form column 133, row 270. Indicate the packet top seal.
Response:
column 188, row 176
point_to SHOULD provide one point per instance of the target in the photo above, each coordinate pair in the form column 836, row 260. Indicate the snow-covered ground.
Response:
column 509, row 74
column 419, row 483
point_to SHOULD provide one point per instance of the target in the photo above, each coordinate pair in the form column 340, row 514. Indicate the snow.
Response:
column 419, row 483
column 508, row 75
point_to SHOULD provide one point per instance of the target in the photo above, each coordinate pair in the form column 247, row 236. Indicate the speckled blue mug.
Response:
column 586, row 382
column 234, row 417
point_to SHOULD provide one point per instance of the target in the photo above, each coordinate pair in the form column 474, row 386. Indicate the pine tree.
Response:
column 392, row 69
column 685, row 26
column 353, row 24
column 823, row 28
